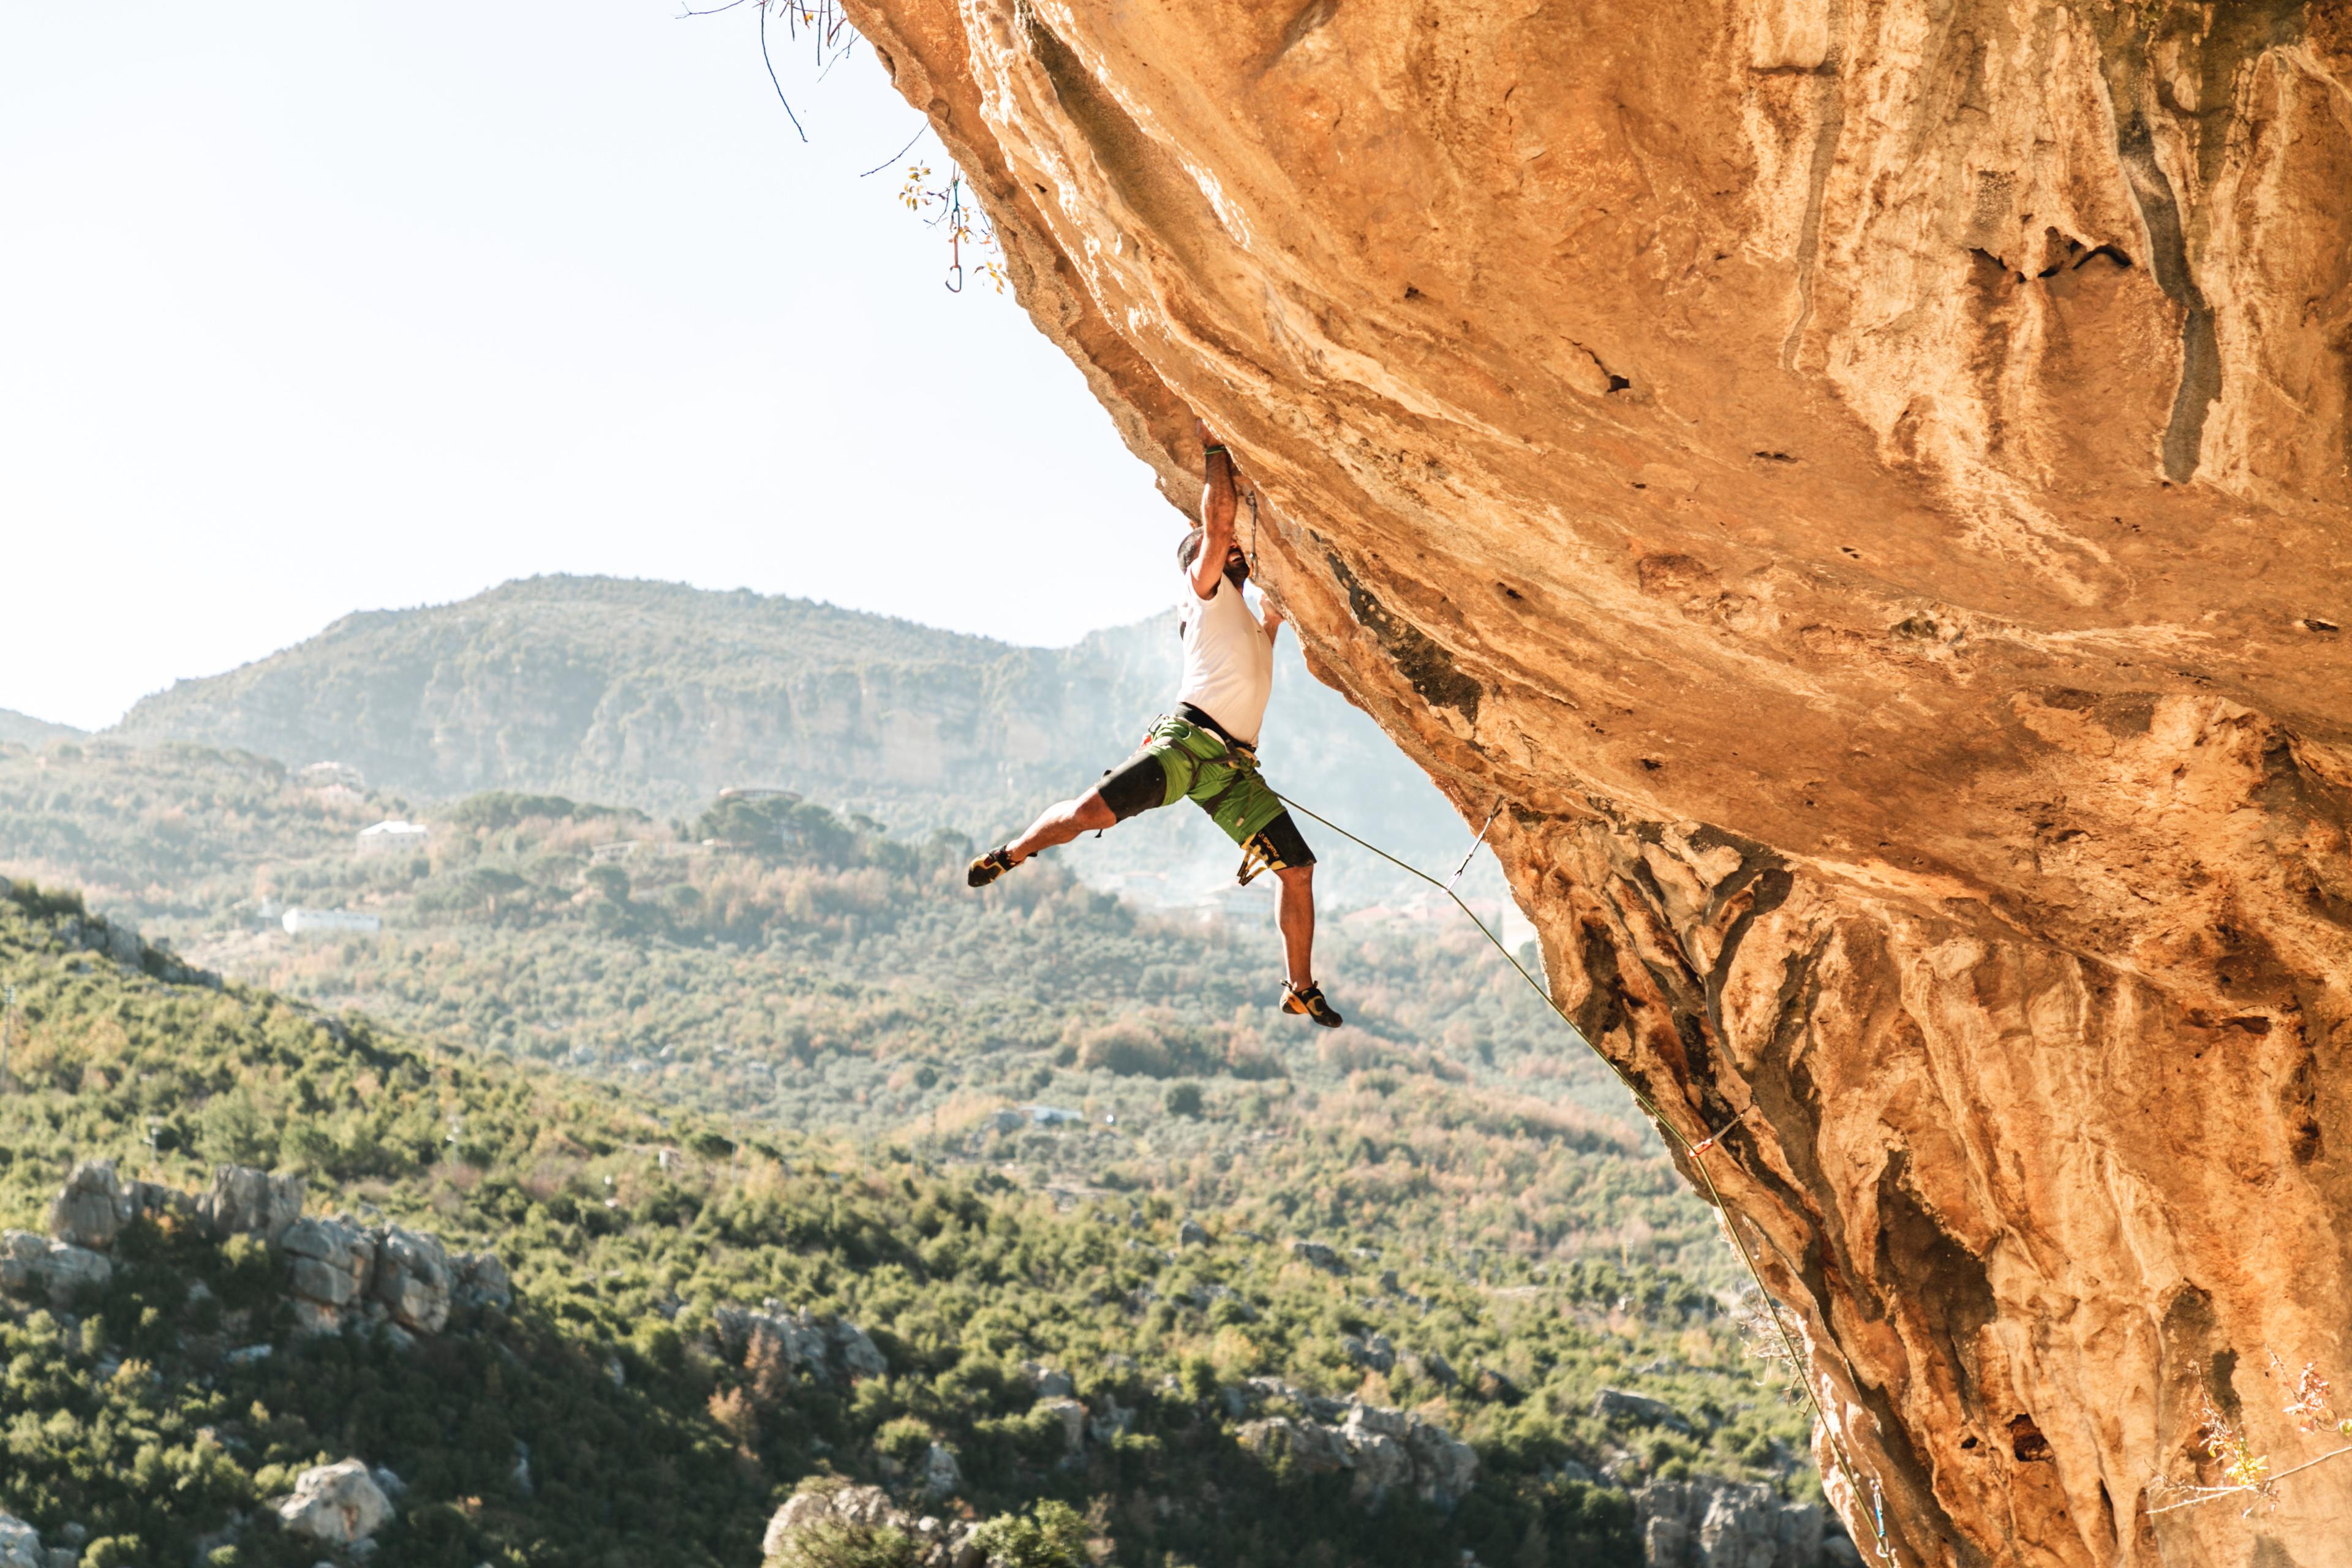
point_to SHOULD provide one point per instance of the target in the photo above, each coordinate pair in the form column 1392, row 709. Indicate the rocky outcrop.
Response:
column 1070, row 1415
column 243, row 1201
column 1865, row 487
column 20, row 1547
column 1715, row 1524
column 830, row 1516
column 1616, row 1404
column 96, row 1203
column 338, row 1505
column 1316, row 1255
column 803, row 1342
column 338, row 1271
column 55, row 1271
column 328, row 1265
column 1386, row 1451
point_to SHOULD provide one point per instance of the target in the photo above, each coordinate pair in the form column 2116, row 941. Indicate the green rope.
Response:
column 1696, row 1152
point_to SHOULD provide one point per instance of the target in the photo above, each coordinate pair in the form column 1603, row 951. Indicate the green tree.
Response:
column 1051, row 1536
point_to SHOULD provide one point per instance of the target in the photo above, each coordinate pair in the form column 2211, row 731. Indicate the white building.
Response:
column 326, row 922
column 392, row 836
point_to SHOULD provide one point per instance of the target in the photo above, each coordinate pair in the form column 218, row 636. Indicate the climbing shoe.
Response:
column 988, row 868
column 1310, row 1001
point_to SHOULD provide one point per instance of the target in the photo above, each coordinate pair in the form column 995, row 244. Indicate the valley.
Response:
column 645, row 1049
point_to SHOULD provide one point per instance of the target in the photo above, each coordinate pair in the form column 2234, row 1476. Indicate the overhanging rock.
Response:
column 1867, row 488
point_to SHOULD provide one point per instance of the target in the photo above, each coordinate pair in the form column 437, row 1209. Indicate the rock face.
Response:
column 337, row 1504
column 20, row 1544
column 1731, row 1524
column 243, row 1201
column 832, row 1348
column 1386, row 1450
column 336, row 1269
column 55, row 1269
column 843, row 1514
column 1864, row 485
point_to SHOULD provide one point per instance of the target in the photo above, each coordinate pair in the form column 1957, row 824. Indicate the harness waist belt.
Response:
column 1191, row 715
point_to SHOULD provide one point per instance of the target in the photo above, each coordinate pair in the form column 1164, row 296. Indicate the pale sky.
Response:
column 308, row 306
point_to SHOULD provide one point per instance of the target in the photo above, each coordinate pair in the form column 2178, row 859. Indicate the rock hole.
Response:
column 1850, row 550
column 2026, row 1441
column 1618, row 383
column 1776, row 457
column 1411, row 292
column 1508, row 591
column 1652, row 763
column 2108, row 251
column 2314, row 624
column 1640, row 486
column 1968, row 1442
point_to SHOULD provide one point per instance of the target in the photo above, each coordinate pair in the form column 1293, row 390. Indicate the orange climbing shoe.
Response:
column 1308, row 999
column 987, row 869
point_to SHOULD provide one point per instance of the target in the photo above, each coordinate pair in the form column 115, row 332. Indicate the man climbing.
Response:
column 1206, row 751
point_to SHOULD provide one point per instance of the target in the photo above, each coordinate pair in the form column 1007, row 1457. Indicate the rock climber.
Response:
column 1206, row 751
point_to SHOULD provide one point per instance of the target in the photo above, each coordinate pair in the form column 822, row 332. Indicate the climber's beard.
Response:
column 1236, row 566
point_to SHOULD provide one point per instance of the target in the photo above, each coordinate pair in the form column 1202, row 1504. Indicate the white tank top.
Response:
column 1228, row 659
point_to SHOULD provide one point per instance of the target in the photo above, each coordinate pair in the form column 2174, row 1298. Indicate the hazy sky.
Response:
column 314, row 307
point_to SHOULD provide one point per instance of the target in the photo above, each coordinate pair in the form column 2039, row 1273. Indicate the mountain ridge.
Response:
column 23, row 729
column 658, row 695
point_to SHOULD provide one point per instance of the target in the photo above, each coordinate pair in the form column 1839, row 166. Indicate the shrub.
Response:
column 904, row 1440
column 838, row 1544
column 1051, row 1536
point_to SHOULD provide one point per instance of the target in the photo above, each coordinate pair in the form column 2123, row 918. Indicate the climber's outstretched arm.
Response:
column 1216, row 516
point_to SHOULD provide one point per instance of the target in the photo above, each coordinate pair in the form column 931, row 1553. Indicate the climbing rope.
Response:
column 1693, row 1151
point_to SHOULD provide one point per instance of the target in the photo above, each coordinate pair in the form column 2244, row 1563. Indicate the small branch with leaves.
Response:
column 2246, row 1475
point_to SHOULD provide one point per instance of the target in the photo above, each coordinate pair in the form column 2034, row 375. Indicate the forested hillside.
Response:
column 23, row 729
column 779, row 960
column 993, row 1345
column 658, row 696
column 712, row 1072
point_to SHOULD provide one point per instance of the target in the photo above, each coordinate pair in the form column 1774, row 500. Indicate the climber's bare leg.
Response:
column 1060, row 824
column 1294, row 912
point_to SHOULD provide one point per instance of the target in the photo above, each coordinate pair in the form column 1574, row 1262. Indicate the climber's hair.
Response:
column 1188, row 549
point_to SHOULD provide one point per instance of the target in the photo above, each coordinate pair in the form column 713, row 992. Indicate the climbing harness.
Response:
column 1693, row 1150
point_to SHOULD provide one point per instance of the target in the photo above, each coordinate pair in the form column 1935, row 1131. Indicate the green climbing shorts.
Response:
column 1183, row 760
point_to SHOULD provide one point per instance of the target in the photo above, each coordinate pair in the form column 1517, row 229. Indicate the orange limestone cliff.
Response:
column 1865, row 485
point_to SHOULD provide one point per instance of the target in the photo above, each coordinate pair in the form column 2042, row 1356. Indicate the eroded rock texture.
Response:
column 1866, row 484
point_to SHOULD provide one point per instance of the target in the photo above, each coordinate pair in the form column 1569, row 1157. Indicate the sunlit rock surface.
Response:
column 1866, row 485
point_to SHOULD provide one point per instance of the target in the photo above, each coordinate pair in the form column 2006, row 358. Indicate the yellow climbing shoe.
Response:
column 988, row 868
column 1308, row 999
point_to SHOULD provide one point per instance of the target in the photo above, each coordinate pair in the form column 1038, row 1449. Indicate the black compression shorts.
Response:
column 1140, row 784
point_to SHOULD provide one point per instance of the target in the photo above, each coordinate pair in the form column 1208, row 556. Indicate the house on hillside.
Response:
column 330, row 922
column 391, row 836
